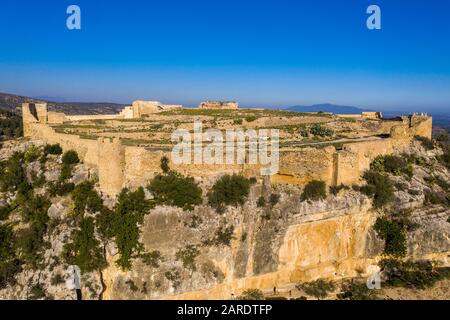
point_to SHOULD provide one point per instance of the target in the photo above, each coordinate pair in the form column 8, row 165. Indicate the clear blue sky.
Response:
column 260, row 53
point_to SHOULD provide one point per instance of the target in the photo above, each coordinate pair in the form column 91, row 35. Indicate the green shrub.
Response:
column 66, row 172
column 37, row 292
column 132, row 286
column 319, row 288
column 392, row 164
column 84, row 250
column 12, row 173
column 261, row 202
column 304, row 133
column 4, row 212
column 443, row 137
column 152, row 258
column 104, row 221
column 352, row 290
column 229, row 190
column 70, row 157
column 394, row 235
column 319, row 130
column 174, row 277
column 86, row 198
column 251, row 294
column 273, row 199
column 334, row 190
column 9, row 264
column 412, row 274
column 165, row 164
column 250, row 118
column 314, row 190
column 223, row 236
column 445, row 157
column 60, row 188
column 175, row 190
column 8, row 271
column 10, row 125
column 238, row 121
column 57, row 279
column 380, row 187
column 187, row 256
column 31, row 154
column 435, row 197
column 128, row 215
column 427, row 144
column 53, row 149
column 30, row 242
column 38, row 181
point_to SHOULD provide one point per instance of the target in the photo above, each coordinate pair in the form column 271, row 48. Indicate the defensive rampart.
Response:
column 127, row 166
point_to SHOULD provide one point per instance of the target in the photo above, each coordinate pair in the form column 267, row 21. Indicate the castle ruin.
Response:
column 120, row 164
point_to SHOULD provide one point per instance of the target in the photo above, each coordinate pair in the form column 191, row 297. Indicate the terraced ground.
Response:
column 297, row 130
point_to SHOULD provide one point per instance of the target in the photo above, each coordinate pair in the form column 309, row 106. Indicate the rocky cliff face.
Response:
column 279, row 245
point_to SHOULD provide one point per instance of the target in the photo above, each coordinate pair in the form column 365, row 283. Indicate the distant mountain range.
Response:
column 327, row 107
column 440, row 119
column 13, row 102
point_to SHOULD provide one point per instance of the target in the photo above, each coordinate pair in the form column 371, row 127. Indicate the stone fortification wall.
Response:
column 229, row 105
column 121, row 166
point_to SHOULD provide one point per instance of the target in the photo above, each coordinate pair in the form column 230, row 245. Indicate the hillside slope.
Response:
column 12, row 102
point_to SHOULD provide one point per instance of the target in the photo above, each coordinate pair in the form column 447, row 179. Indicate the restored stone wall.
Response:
column 121, row 166
column 111, row 155
column 230, row 105
column 300, row 167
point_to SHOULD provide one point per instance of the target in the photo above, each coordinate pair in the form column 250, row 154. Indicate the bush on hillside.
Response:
column 223, row 237
column 128, row 215
column 85, row 198
column 394, row 235
column 353, row 290
column 229, row 190
column 10, row 125
column 319, row 288
column 321, row 131
column 84, row 250
column 31, row 154
column 426, row 143
column 314, row 190
column 12, row 173
column 174, row 189
column 413, row 274
column 31, row 244
column 261, row 202
column 273, row 199
column 187, row 256
column 379, row 187
column 251, row 294
column 70, row 157
column 165, row 164
column 9, row 264
column 250, row 118
column 392, row 164
column 54, row 149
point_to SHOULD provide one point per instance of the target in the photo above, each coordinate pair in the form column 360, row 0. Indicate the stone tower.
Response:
column 111, row 165
column 33, row 113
